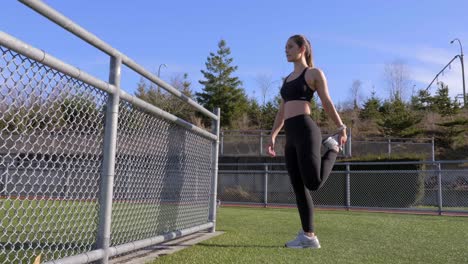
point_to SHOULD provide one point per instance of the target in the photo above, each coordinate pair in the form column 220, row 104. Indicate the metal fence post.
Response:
column 108, row 163
column 221, row 148
column 214, row 181
column 433, row 147
column 265, row 194
column 350, row 144
column 439, row 192
column 261, row 143
column 348, row 187
column 389, row 147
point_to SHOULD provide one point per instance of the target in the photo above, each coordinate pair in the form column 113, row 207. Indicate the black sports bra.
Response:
column 297, row 89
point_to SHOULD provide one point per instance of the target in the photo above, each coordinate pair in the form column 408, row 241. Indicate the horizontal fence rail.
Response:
column 88, row 171
column 437, row 187
column 254, row 142
column 40, row 56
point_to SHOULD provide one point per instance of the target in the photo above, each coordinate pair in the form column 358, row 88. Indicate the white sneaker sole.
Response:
column 304, row 246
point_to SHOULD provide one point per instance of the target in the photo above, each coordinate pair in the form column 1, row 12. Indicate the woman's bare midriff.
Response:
column 296, row 107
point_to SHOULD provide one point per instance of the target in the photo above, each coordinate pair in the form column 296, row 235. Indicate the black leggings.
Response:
column 307, row 169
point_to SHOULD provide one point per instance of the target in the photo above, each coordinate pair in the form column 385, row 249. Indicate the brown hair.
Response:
column 302, row 41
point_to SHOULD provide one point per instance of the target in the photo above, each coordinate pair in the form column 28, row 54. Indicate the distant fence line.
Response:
column 439, row 186
column 254, row 142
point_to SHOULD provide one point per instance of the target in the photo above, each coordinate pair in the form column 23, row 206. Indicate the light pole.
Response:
column 159, row 72
column 463, row 69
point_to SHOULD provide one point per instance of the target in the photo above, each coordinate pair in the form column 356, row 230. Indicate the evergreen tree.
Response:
column 254, row 113
column 370, row 110
column 269, row 111
column 397, row 119
column 166, row 101
column 150, row 93
column 442, row 102
column 221, row 89
column 421, row 102
column 452, row 132
column 315, row 109
column 323, row 118
column 185, row 86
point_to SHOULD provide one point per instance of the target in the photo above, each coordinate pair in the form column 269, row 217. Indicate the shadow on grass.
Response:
column 237, row 246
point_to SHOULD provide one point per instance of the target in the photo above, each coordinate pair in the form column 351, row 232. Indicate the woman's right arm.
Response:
column 279, row 121
column 277, row 125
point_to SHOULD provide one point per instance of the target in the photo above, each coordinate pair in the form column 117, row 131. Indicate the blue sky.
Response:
column 352, row 40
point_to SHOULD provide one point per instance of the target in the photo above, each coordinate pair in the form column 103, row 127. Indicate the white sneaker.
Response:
column 303, row 241
column 332, row 143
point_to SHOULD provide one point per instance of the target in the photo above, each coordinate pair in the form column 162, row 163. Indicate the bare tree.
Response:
column 182, row 83
column 355, row 92
column 354, row 106
column 397, row 76
column 161, row 98
column 173, row 104
column 265, row 83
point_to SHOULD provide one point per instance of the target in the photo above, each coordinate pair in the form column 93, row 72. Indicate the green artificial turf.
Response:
column 257, row 235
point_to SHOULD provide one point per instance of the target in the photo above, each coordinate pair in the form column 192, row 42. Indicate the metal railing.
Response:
column 439, row 186
column 390, row 146
column 88, row 171
column 253, row 143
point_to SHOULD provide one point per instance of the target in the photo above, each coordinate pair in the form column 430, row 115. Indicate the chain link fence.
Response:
column 163, row 177
column 50, row 152
column 441, row 186
column 87, row 171
column 423, row 147
column 254, row 142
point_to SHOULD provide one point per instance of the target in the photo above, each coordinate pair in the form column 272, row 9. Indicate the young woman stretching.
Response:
column 306, row 168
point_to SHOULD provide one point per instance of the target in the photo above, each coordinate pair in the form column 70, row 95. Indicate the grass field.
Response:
column 255, row 235
column 59, row 228
column 252, row 235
